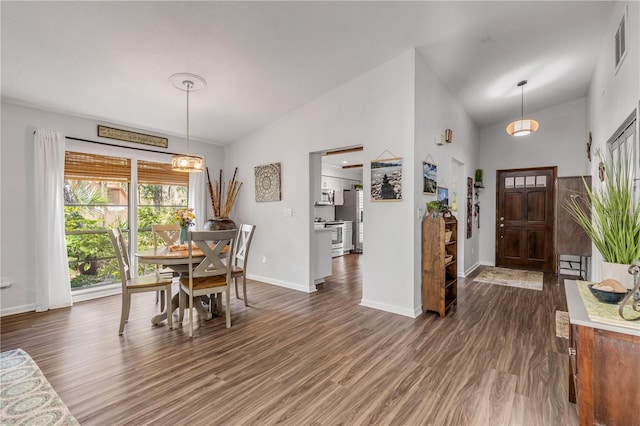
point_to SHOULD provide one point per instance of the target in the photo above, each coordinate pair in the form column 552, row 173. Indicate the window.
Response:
column 620, row 44
column 98, row 197
column 623, row 145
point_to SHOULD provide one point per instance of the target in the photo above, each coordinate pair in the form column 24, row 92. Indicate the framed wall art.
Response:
column 443, row 195
column 268, row 181
column 429, row 178
column 469, row 207
column 386, row 179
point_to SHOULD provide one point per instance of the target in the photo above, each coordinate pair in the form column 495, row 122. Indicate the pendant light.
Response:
column 186, row 162
column 523, row 126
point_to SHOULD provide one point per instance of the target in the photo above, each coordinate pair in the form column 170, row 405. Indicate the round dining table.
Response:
column 177, row 258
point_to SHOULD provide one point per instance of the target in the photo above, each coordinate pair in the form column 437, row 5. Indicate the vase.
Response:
column 618, row 272
column 219, row 224
column 184, row 234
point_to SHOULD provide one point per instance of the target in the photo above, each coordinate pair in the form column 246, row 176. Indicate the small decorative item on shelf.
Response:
column 222, row 210
column 447, row 236
column 479, row 176
column 433, row 206
column 185, row 217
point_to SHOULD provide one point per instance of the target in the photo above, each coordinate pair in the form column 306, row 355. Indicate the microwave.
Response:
column 327, row 197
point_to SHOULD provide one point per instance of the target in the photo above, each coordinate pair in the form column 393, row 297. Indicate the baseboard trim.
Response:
column 285, row 284
column 411, row 313
column 18, row 310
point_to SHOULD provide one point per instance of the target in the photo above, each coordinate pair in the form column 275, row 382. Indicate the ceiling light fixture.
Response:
column 186, row 162
column 522, row 126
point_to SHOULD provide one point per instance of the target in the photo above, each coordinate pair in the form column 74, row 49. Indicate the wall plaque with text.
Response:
column 127, row 136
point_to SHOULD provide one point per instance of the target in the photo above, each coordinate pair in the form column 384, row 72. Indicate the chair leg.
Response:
column 190, row 315
column 125, row 312
column 228, row 297
column 181, row 305
column 161, row 295
column 244, row 289
column 235, row 282
column 167, row 293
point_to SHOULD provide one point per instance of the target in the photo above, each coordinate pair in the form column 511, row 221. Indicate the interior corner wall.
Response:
column 560, row 141
column 437, row 110
column 614, row 95
column 375, row 110
column 16, row 171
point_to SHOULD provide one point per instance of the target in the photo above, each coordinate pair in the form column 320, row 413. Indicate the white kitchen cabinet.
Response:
column 321, row 266
column 330, row 182
column 347, row 236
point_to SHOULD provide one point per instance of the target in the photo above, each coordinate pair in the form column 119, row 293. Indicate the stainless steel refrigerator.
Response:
column 352, row 210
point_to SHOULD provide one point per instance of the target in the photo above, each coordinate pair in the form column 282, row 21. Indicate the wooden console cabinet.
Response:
column 604, row 364
column 439, row 263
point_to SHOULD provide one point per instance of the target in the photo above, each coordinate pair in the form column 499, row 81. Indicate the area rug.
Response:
column 511, row 277
column 26, row 396
column 562, row 324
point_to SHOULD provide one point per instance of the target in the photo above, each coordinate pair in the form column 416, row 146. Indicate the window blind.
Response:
column 81, row 166
column 160, row 174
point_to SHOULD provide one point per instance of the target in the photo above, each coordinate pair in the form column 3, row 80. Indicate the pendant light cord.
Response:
column 188, row 84
column 521, row 102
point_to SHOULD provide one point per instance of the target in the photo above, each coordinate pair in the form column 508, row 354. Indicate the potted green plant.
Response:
column 611, row 217
column 479, row 175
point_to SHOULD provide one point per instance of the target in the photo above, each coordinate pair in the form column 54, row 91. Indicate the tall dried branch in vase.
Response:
column 222, row 198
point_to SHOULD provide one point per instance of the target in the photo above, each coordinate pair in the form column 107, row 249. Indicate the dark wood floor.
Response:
column 304, row 359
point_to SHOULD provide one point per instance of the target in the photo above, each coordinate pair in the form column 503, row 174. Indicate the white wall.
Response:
column 613, row 96
column 393, row 110
column 374, row 110
column 560, row 141
column 16, row 235
column 437, row 110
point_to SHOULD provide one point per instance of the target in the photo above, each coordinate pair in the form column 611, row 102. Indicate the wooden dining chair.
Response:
column 241, row 257
column 151, row 282
column 208, row 276
column 167, row 235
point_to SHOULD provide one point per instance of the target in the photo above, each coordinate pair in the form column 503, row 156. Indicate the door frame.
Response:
column 554, row 171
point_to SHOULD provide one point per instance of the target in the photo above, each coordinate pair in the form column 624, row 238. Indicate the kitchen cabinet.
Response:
column 347, row 236
column 335, row 183
column 603, row 362
column 321, row 266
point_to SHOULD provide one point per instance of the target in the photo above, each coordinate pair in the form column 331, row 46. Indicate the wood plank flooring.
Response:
column 309, row 359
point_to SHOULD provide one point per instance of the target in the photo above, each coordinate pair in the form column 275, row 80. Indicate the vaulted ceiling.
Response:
column 261, row 60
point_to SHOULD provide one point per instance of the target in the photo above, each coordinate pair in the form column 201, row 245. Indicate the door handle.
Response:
column 501, row 218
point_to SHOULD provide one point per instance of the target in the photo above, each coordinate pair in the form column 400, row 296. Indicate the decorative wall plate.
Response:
column 268, row 182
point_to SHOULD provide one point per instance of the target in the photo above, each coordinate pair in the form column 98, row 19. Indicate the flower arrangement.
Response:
column 185, row 217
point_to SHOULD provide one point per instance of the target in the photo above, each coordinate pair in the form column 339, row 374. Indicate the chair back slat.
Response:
column 122, row 254
column 168, row 234
column 211, row 243
column 243, row 243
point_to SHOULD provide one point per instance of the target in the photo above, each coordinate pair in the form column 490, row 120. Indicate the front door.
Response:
column 525, row 218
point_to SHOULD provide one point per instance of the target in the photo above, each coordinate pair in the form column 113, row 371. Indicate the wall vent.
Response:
column 620, row 43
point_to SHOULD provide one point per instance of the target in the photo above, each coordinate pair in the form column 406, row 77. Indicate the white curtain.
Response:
column 197, row 199
column 51, row 265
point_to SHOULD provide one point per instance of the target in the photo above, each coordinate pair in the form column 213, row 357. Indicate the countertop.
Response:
column 578, row 313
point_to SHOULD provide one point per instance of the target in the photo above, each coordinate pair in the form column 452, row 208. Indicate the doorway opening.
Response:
column 337, row 208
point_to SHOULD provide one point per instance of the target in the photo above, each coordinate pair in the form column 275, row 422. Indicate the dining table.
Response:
column 175, row 257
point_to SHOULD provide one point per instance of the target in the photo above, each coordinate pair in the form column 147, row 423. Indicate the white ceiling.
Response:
column 112, row 60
